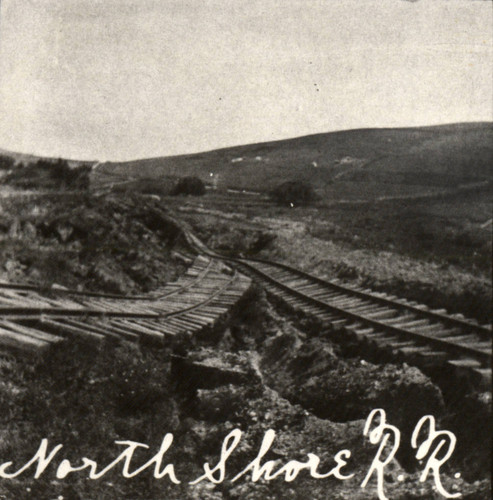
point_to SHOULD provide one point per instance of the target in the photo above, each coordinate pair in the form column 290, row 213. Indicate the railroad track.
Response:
column 412, row 331
column 32, row 318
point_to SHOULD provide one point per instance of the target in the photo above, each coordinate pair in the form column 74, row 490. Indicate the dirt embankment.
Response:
column 428, row 283
column 290, row 240
column 119, row 245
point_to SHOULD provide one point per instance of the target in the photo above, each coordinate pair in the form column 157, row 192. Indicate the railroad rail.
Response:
column 420, row 335
column 33, row 318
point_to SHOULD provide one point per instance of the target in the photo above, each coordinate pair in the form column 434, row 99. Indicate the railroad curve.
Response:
column 412, row 331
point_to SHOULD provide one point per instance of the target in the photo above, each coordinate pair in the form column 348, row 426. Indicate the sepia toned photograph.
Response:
column 245, row 249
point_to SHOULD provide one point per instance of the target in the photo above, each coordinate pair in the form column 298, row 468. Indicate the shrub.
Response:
column 50, row 174
column 6, row 163
column 189, row 185
column 293, row 193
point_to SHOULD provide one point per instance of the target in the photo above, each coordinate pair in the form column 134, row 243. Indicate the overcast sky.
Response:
column 123, row 79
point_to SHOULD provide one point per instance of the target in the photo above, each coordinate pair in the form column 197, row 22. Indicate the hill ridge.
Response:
column 444, row 126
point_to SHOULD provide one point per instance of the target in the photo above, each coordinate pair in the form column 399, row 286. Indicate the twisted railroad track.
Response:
column 422, row 336
column 33, row 318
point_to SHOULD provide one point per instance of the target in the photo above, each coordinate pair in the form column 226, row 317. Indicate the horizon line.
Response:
column 222, row 148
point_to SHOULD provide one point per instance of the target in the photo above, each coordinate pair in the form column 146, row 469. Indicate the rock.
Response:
column 14, row 228
column 10, row 265
column 29, row 230
column 63, row 231
column 34, row 275
column 205, row 491
column 210, row 372
column 110, row 279
column 311, row 375
column 218, row 404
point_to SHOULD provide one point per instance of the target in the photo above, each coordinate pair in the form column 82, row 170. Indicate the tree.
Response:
column 293, row 193
column 6, row 162
column 49, row 174
column 60, row 171
column 189, row 185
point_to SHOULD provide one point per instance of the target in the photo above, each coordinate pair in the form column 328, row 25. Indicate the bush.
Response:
column 66, row 176
column 189, row 185
column 293, row 193
column 6, row 163
column 49, row 174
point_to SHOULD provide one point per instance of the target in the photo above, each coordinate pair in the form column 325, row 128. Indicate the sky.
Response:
column 125, row 79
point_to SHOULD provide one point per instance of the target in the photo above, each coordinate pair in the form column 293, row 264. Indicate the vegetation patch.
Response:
column 49, row 174
column 189, row 186
column 92, row 243
column 293, row 193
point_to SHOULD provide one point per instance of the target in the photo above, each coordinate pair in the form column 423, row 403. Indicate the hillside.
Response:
column 350, row 161
column 29, row 158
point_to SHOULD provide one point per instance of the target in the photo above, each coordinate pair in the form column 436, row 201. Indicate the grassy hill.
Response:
column 352, row 164
column 386, row 161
